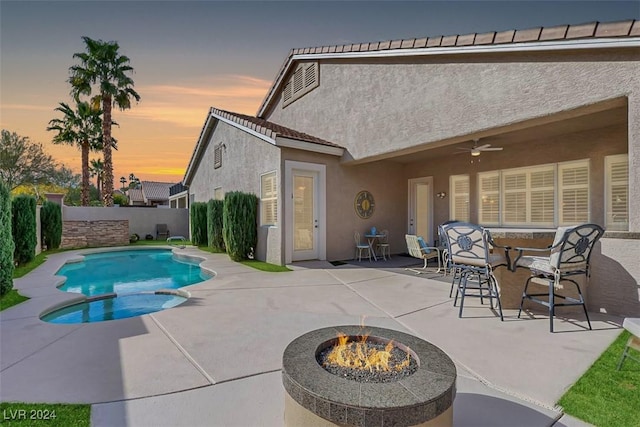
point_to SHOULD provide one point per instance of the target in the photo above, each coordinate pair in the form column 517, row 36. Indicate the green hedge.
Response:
column 240, row 231
column 51, row 224
column 24, row 228
column 214, row 224
column 6, row 241
column 198, row 212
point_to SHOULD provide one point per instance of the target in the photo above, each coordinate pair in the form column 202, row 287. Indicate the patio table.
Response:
column 371, row 239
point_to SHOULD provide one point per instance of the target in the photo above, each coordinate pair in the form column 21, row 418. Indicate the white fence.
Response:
column 142, row 221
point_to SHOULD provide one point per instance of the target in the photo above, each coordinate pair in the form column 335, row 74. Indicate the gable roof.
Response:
column 595, row 34
column 153, row 190
column 135, row 195
column 270, row 132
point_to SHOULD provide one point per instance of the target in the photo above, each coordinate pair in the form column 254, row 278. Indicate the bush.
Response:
column 24, row 228
column 214, row 224
column 240, row 227
column 6, row 241
column 121, row 200
column 198, row 213
column 51, row 222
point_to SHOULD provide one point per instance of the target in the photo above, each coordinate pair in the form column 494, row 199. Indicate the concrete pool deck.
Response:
column 216, row 359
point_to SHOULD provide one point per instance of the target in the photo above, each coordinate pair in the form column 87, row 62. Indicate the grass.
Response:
column 45, row 414
column 10, row 299
column 604, row 396
column 156, row 243
column 34, row 263
column 265, row 266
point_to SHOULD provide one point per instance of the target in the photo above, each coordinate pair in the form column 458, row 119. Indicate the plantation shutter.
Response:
column 573, row 189
column 459, row 204
column 542, row 196
column 515, row 197
column 489, row 184
column 617, row 192
column 269, row 199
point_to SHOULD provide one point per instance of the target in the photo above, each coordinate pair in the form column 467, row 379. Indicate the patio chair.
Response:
column 469, row 247
column 631, row 324
column 360, row 247
column 568, row 258
column 420, row 250
column 383, row 245
column 162, row 231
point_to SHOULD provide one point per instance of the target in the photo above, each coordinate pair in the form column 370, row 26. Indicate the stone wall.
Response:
column 82, row 234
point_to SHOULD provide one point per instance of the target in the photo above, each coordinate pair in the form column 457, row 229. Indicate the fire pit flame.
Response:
column 363, row 355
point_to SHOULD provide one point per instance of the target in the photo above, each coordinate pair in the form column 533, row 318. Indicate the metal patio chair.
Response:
column 162, row 231
column 361, row 247
column 568, row 258
column 383, row 245
column 471, row 260
column 421, row 252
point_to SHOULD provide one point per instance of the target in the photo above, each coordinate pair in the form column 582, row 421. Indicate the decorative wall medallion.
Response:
column 364, row 204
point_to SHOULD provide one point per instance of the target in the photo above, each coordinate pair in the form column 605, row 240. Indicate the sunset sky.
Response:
column 191, row 55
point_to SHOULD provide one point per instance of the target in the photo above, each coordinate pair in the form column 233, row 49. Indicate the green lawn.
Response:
column 11, row 299
column 264, row 266
column 45, row 414
column 603, row 396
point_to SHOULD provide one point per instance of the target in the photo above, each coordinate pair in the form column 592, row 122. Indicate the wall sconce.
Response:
column 441, row 195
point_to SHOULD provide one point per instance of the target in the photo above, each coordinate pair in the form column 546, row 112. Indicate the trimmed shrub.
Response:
column 214, row 224
column 198, row 213
column 6, row 241
column 24, row 228
column 240, row 228
column 51, row 222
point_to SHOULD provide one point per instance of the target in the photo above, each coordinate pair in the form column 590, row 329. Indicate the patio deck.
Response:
column 216, row 359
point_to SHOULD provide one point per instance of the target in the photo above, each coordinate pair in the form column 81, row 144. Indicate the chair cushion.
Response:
column 536, row 263
column 423, row 245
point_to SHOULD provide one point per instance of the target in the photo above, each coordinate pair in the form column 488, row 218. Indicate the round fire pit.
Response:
column 316, row 396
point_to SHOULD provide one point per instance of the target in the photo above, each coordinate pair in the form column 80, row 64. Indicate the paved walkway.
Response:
column 215, row 360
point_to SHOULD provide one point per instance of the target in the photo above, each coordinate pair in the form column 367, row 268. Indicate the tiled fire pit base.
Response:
column 316, row 397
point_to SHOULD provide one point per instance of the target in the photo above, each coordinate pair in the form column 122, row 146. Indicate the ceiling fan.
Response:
column 477, row 149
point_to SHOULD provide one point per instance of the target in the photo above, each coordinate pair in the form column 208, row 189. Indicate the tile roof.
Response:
column 135, row 195
column 270, row 129
column 153, row 190
column 593, row 30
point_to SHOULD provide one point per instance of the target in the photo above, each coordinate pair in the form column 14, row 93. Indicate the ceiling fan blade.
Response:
column 482, row 147
column 491, row 149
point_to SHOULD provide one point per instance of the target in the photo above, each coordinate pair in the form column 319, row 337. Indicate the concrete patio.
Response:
column 216, row 359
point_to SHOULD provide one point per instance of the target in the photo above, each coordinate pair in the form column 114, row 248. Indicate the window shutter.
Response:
column 304, row 79
column 542, row 197
column 515, row 197
column 489, row 184
column 287, row 92
column 297, row 81
column 573, row 189
column 217, row 156
column 459, row 204
column 269, row 199
column 617, row 183
column 311, row 75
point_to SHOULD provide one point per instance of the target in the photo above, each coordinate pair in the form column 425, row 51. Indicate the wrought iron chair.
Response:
column 361, row 247
column 383, row 245
column 470, row 257
column 569, row 257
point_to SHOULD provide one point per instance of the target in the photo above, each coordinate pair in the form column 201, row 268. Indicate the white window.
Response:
column 617, row 192
column 489, row 205
column 459, row 201
column 268, row 199
column 304, row 79
column 218, row 194
column 573, row 193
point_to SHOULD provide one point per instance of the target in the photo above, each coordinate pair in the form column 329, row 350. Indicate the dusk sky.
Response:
column 191, row 55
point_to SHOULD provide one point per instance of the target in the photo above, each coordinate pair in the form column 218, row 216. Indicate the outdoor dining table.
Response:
column 371, row 239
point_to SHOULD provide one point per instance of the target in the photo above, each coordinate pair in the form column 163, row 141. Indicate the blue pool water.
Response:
column 112, row 308
column 125, row 272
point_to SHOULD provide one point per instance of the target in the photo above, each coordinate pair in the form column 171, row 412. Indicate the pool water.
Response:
column 113, row 307
column 124, row 272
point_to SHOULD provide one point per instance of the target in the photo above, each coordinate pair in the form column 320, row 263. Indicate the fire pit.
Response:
column 350, row 375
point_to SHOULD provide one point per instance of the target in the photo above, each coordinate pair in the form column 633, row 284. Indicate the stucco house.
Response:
column 402, row 120
column 150, row 193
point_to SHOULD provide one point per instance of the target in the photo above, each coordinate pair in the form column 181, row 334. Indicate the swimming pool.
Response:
column 112, row 307
column 122, row 284
column 129, row 271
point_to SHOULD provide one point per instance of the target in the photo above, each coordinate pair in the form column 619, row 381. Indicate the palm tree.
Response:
column 102, row 65
column 97, row 172
column 81, row 127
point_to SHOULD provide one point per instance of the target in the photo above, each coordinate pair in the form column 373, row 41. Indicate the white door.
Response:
column 305, row 215
column 420, row 221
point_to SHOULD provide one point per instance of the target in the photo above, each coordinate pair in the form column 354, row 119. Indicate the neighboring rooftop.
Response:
column 154, row 190
column 135, row 195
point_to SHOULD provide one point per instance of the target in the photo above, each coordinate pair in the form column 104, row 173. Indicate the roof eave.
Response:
column 592, row 43
column 309, row 146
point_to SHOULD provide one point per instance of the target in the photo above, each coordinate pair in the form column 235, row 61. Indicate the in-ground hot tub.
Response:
column 315, row 396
